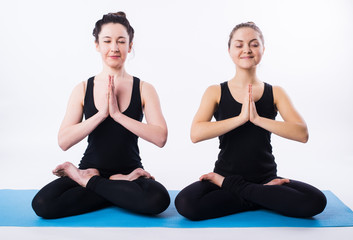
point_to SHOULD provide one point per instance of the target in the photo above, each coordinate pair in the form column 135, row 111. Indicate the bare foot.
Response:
column 67, row 169
column 138, row 172
column 278, row 181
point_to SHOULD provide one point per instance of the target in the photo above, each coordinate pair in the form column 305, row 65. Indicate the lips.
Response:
column 247, row 57
column 114, row 57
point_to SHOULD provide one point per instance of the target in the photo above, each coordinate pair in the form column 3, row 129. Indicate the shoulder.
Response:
column 80, row 88
column 213, row 90
column 148, row 94
column 147, row 88
column 279, row 94
column 277, row 90
column 79, row 92
column 213, row 93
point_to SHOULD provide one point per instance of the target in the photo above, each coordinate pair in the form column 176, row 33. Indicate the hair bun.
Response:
column 119, row 14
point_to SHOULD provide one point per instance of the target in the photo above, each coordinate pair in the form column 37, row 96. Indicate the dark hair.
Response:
column 119, row 17
column 246, row 25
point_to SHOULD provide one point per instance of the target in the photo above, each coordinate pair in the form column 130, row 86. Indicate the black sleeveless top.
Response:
column 246, row 150
column 111, row 147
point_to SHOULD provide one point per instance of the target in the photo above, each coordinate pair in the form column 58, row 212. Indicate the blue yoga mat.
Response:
column 15, row 210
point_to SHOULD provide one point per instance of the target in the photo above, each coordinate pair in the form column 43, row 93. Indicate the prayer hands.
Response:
column 112, row 98
column 248, row 111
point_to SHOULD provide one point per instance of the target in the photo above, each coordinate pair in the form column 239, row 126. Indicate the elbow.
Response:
column 162, row 139
column 197, row 134
column 63, row 145
column 161, row 143
column 305, row 138
column 194, row 137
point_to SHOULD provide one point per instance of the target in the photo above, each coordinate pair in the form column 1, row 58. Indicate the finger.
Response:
column 108, row 87
column 250, row 92
column 58, row 173
column 146, row 174
column 56, row 170
column 205, row 177
column 111, row 82
column 202, row 177
column 112, row 79
column 150, row 176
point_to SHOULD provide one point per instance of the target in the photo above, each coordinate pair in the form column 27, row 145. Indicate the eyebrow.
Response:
column 255, row 39
column 111, row 37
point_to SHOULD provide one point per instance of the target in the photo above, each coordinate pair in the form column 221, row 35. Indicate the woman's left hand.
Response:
column 253, row 115
column 214, row 178
column 278, row 181
column 113, row 101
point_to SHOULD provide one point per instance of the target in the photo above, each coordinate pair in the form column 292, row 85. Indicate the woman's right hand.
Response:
column 104, row 109
column 245, row 109
column 214, row 178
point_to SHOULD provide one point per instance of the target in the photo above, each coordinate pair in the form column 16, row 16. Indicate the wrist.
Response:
column 257, row 121
column 220, row 181
column 102, row 115
column 117, row 116
column 241, row 120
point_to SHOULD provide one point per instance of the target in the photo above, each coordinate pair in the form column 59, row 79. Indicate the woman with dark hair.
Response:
column 113, row 103
column 245, row 174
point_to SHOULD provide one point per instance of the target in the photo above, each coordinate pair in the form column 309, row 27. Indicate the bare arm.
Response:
column 293, row 125
column 72, row 129
column 155, row 129
column 202, row 128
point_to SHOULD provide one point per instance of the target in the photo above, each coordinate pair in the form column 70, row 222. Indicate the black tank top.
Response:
column 111, row 147
column 246, row 150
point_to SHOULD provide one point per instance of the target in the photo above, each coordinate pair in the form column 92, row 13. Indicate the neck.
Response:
column 118, row 73
column 244, row 77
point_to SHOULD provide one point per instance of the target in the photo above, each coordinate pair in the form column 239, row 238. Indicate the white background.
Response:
column 180, row 47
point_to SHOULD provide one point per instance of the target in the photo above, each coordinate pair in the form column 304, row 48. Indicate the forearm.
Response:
column 201, row 131
column 297, row 131
column 70, row 135
column 152, row 133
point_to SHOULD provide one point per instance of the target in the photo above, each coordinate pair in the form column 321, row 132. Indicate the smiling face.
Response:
column 246, row 48
column 113, row 45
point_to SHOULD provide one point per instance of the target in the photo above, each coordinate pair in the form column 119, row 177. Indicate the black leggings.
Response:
column 204, row 200
column 64, row 197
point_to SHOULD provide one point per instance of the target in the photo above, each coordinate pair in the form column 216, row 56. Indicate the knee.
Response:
column 43, row 208
column 319, row 202
column 156, row 203
column 40, row 207
column 187, row 207
column 312, row 205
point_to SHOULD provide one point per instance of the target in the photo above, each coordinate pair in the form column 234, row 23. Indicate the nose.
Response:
column 114, row 47
column 247, row 49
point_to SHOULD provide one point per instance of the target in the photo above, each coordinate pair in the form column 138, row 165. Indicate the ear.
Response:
column 263, row 51
column 97, row 46
column 130, row 47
